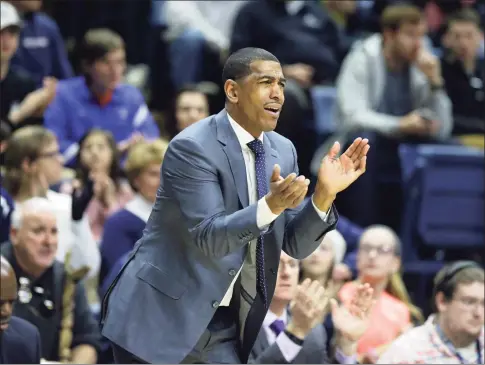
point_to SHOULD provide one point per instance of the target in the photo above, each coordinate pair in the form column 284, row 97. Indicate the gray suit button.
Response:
column 215, row 304
column 232, row 272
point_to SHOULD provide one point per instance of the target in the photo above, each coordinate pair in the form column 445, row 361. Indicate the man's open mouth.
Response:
column 273, row 109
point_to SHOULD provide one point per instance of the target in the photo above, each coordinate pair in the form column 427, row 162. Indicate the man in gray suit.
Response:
column 294, row 333
column 197, row 285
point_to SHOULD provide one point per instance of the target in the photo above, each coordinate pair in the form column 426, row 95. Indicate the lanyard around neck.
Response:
column 453, row 349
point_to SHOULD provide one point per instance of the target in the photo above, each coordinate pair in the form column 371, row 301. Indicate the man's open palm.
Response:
column 337, row 173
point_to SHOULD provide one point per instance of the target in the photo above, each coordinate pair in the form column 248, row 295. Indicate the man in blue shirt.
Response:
column 41, row 48
column 99, row 99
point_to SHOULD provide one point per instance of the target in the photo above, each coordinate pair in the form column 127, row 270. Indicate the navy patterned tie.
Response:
column 262, row 185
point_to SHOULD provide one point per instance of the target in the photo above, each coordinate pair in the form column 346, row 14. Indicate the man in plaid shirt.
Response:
column 455, row 333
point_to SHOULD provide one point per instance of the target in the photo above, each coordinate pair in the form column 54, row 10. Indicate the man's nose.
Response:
column 277, row 93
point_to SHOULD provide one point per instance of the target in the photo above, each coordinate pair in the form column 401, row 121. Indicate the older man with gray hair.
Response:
column 43, row 295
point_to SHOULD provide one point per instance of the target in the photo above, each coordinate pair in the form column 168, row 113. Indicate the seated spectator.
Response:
column 310, row 48
column 19, row 339
column 15, row 83
column 41, row 52
column 124, row 228
column 321, row 263
column 463, row 73
column 454, row 334
column 378, row 263
column 194, row 28
column 98, row 155
column 391, row 85
column 99, row 99
column 50, row 294
column 32, row 163
column 294, row 334
column 190, row 106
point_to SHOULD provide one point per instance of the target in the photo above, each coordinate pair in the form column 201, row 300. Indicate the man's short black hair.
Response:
column 238, row 65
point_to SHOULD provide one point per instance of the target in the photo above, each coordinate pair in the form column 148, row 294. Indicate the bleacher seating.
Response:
column 444, row 197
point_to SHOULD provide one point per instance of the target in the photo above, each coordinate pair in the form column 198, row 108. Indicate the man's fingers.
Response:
column 350, row 151
column 298, row 199
column 356, row 150
column 362, row 165
column 295, row 188
column 333, row 153
column 276, row 173
column 286, row 182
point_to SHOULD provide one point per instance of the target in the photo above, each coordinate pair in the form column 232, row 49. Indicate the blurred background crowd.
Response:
column 93, row 91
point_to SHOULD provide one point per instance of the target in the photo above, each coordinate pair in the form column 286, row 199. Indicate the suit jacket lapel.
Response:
column 232, row 149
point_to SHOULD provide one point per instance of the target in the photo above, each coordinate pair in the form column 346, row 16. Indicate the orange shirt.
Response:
column 388, row 319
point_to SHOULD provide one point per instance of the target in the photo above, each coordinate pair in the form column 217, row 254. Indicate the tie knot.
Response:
column 277, row 326
column 256, row 146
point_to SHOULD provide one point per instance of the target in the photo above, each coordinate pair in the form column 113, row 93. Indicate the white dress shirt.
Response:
column 288, row 348
column 264, row 215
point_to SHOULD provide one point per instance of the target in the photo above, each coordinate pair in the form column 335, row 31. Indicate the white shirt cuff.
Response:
column 288, row 348
column 264, row 215
column 323, row 215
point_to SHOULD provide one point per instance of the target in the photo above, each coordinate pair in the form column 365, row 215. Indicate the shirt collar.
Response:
column 271, row 317
column 243, row 136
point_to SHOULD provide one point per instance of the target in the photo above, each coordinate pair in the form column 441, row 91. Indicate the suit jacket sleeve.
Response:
column 304, row 229
column 313, row 351
column 270, row 355
column 192, row 180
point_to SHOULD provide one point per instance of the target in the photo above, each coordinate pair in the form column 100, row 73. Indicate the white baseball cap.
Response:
column 9, row 16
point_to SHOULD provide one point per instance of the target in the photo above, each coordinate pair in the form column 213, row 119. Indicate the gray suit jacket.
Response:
column 313, row 351
column 196, row 240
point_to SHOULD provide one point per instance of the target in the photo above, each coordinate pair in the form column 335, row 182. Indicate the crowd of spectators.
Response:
column 93, row 91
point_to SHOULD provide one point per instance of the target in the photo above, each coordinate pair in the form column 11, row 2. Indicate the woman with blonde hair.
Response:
column 378, row 264
column 32, row 163
column 125, row 227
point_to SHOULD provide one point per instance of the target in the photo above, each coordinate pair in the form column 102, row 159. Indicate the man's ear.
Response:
column 231, row 89
column 440, row 302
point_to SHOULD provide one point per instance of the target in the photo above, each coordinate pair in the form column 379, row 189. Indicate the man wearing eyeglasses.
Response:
column 41, row 283
column 454, row 334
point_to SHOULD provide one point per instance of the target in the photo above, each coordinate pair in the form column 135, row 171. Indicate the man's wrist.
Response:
column 269, row 202
column 296, row 331
column 322, row 199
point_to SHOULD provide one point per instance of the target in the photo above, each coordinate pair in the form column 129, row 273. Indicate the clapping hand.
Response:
column 337, row 173
column 352, row 321
column 307, row 308
column 286, row 192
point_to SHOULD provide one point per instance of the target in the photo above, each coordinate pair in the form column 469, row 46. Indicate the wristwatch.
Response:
column 293, row 338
